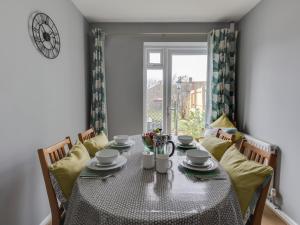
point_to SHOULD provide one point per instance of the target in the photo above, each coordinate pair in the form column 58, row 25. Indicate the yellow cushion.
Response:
column 96, row 143
column 246, row 175
column 215, row 146
column 68, row 168
column 222, row 122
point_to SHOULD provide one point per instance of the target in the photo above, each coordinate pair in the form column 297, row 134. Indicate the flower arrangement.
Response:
column 148, row 137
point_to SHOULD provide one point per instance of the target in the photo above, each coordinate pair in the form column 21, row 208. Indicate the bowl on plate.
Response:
column 185, row 139
column 197, row 156
column 121, row 139
column 107, row 156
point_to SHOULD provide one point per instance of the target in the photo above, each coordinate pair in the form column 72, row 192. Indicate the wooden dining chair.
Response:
column 225, row 136
column 263, row 157
column 86, row 135
column 48, row 156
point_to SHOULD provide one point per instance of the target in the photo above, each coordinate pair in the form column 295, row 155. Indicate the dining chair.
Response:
column 86, row 135
column 48, row 156
column 225, row 136
column 263, row 157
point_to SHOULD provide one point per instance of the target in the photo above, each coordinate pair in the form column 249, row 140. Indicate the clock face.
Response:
column 45, row 35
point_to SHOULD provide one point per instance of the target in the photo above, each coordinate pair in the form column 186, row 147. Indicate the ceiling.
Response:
column 164, row 10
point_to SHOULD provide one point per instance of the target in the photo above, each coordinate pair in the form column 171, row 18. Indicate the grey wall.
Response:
column 268, row 97
column 41, row 102
column 124, row 68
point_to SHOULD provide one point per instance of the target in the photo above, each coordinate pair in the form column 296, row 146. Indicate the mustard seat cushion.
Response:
column 68, row 168
column 96, row 143
column 215, row 146
column 246, row 176
column 224, row 122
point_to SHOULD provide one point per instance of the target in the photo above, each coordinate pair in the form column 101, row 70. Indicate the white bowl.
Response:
column 185, row 139
column 107, row 156
column 121, row 139
column 197, row 156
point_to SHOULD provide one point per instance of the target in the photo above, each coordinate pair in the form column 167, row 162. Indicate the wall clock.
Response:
column 44, row 34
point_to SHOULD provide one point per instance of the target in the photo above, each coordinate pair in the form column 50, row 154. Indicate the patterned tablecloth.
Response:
column 138, row 196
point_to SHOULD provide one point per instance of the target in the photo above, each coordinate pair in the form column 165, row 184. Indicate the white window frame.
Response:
column 166, row 49
column 155, row 50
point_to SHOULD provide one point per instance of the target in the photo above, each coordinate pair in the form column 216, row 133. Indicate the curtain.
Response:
column 98, row 96
column 221, row 74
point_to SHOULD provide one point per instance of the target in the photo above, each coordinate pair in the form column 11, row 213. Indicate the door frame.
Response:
column 167, row 49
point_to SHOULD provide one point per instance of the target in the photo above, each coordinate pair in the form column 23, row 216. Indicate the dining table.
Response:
column 136, row 196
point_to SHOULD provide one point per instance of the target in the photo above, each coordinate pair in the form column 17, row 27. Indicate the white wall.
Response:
column 124, row 68
column 41, row 102
column 268, row 85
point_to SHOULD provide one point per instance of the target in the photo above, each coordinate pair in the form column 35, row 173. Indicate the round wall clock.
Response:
column 44, row 34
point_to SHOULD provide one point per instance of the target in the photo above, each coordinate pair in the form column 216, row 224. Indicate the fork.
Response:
column 209, row 178
column 96, row 176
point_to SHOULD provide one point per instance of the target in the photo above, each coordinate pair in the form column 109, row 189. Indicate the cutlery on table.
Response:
column 209, row 178
column 96, row 176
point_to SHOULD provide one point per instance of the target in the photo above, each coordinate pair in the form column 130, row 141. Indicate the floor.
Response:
column 269, row 218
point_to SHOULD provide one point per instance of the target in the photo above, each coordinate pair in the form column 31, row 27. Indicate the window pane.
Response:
column 154, row 58
column 188, row 94
column 154, row 101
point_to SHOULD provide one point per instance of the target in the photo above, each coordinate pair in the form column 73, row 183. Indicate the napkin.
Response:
column 86, row 172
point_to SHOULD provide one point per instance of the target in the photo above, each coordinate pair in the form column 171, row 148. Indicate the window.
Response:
column 154, row 57
column 175, row 87
column 154, row 99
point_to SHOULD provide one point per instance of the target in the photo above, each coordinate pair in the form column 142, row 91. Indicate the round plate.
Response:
column 127, row 145
column 203, row 165
column 120, row 161
column 106, row 165
column 190, row 146
column 212, row 167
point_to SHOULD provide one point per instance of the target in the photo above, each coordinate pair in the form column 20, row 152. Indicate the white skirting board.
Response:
column 281, row 214
column 47, row 220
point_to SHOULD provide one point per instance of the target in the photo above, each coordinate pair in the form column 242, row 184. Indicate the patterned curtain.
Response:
column 221, row 74
column 98, row 97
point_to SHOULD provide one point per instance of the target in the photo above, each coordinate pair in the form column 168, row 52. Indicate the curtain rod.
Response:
column 232, row 27
column 154, row 34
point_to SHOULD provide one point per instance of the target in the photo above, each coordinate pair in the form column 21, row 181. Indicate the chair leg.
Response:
column 259, row 209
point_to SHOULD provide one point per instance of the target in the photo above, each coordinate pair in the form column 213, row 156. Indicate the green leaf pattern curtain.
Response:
column 221, row 74
column 98, row 97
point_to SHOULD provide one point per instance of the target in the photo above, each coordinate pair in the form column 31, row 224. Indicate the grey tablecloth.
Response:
column 138, row 196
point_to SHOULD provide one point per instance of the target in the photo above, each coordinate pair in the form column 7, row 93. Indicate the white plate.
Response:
column 126, row 145
column 203, row 165
column 106, row 165
column 212, row 166
column 120, row 161
column 190, row 146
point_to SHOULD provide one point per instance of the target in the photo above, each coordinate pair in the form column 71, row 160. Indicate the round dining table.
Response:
column 135, row 196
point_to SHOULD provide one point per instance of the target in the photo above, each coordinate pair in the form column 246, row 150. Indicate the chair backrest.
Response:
column 225, row 136
column 258, row 155
column 48, row 156
column 263, row 157
column 86, row 135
